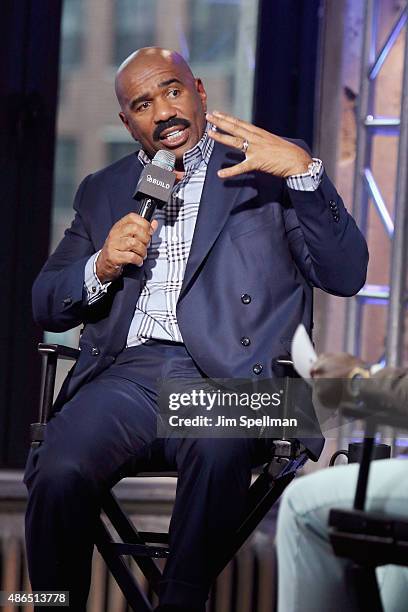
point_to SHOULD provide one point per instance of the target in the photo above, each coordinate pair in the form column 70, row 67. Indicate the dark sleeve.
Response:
column 386, row 391
column 58, row 296
column 324, row 239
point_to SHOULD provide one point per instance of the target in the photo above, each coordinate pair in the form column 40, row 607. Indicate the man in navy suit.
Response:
column 214, row 286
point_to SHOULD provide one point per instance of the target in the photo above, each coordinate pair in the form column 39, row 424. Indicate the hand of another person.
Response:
column 264, row 151
column 331, row 373
column 335, row 365
column 126, row 243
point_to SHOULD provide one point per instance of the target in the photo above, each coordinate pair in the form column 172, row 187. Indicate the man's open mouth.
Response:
column 175, row 136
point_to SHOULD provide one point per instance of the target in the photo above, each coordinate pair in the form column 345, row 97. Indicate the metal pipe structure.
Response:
column 363, row 156
column 398, row 271
column 365, row 188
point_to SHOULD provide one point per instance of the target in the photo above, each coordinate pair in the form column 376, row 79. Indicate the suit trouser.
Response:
column 311, row 577
column 106, row 432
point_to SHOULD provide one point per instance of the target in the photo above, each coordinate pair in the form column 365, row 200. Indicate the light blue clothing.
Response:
column 311, row 577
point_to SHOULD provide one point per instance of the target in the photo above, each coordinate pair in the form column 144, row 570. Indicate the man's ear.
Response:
column 202, row 93
column 124, row 120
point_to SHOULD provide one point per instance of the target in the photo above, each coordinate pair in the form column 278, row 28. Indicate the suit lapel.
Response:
column 122, row 188
column 218, row 198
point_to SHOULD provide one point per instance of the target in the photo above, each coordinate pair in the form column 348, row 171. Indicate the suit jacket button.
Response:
column 257, row 369
column 245, row 298
column 67, row 301
column 95, row 351
column 245, row 341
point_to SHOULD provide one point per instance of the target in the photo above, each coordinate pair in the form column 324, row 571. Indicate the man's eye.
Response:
column 143, row 106
column 173, row 93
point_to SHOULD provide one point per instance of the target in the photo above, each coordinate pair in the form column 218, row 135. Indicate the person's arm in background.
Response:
column 341, row 378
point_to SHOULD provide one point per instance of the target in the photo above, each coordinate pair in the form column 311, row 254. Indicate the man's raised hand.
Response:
column 264, row 151
column 126, row 243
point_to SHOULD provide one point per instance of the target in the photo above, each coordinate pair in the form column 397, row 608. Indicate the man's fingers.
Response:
column 127, row 243
column 131, row 230
column 228, row 122
column 131, row 244
column 230, row 141
column 228, row 126
column 235, row 170
column 133, row 219
column 122, row 258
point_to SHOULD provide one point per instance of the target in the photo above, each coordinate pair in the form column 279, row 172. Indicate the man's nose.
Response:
column 163, row 111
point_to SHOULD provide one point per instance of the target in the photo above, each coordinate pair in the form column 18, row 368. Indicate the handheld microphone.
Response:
column 155, row 183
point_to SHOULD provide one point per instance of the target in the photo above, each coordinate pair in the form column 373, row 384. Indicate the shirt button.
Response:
column 93, row 289
column 257, row 369
column 245, row 298
column 245, row 341
column 95, row 351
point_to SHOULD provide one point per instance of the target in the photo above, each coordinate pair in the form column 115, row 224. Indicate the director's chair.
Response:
column 144, row 547
column 368, row 539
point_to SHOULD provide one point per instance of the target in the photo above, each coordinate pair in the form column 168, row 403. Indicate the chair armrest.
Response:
column 369, row 538
column 51, row 353
column 283, row 367
column 59, row 350
column 285, row 361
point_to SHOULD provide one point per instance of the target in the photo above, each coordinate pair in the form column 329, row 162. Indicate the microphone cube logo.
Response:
column 156, row 183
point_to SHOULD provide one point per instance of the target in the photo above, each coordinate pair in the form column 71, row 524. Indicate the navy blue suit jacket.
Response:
column 253, row 236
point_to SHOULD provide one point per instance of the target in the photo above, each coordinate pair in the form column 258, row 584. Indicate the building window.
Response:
column 65, row 173
column 72, row 34
column 213, row 30
column 116, row 150
column 65, row 185
column 134, row 27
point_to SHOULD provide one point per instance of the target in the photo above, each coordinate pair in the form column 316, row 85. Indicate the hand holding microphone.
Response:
column 129, row 238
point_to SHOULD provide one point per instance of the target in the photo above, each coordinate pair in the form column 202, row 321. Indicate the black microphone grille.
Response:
column 165, row 160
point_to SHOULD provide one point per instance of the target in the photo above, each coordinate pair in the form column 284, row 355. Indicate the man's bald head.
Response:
column 162, row 104
column 145, row 57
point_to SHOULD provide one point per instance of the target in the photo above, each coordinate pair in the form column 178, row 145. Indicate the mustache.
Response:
column 165, row 125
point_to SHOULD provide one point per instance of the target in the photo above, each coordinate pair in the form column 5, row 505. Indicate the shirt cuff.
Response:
column 93, row 286
column 308, row 181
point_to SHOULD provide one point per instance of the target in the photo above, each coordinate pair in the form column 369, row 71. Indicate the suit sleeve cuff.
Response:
column 93, row 286
column 308, row 181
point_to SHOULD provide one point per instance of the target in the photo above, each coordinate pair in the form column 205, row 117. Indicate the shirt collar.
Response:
column 192, row 158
